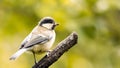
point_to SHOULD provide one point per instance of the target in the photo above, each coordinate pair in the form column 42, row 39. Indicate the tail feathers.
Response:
column 17, row 54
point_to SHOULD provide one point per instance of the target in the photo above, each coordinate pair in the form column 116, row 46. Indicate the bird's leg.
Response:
column 34, row 57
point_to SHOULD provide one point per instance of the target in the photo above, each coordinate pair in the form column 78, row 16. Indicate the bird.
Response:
column 40, row 39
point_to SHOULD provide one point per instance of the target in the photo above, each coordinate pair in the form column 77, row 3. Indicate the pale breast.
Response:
column 46, row 46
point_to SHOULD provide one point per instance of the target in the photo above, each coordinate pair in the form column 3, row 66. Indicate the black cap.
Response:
column 47, row 20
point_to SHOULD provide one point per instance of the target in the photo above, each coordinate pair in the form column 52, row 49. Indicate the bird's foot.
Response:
column 48, row 53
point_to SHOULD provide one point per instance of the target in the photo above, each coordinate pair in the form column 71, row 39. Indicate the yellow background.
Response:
column 97, row 23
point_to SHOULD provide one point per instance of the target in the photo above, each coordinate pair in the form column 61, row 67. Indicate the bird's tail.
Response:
column 17, row 54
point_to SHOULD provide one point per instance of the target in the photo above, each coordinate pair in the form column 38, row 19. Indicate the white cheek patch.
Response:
column 49, row 26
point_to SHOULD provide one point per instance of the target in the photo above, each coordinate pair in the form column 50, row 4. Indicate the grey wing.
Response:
column 25, row 41
column 36, row 40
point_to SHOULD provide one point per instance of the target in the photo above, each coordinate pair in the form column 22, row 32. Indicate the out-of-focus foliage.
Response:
column 97, row 23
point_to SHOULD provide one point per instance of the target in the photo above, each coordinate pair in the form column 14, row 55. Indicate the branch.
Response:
column 55, row 54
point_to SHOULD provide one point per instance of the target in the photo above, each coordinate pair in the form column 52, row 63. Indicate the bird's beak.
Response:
column 56, row 24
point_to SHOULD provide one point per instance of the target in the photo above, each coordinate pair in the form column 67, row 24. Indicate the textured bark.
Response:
column 57, row 52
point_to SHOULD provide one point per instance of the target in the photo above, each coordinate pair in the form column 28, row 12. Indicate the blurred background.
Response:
column 97, row 23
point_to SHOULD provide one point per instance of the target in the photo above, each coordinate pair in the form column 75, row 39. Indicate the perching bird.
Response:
column 39, row 40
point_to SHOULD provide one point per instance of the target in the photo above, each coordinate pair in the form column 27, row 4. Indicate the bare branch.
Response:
column 61, row 48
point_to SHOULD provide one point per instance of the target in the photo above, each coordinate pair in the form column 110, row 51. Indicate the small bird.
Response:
column 39, row 40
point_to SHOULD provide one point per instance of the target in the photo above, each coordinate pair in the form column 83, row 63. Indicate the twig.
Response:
column 55, row 54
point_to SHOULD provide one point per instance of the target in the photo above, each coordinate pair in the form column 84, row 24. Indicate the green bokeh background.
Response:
column 97, row 23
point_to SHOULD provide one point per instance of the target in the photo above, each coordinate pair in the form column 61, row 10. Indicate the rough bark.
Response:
column 57, row 52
